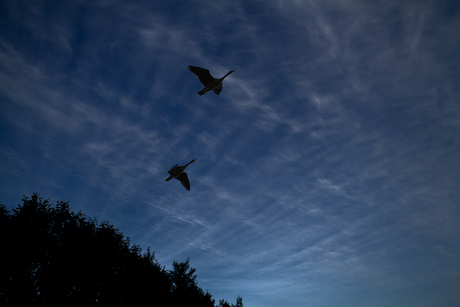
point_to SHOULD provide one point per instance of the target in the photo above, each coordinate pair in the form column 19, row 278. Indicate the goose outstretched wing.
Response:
column 173, row 170
column 203, row 74
column 218, row 89
column 183, row 178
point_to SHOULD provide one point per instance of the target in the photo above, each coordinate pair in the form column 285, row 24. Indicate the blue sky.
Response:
column 327, row 171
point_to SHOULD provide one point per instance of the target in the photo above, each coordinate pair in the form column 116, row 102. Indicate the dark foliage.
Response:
column 186, row 291
column 224, row 303
column 54, row 257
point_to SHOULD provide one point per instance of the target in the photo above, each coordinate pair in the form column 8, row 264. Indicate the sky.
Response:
column 327, row 171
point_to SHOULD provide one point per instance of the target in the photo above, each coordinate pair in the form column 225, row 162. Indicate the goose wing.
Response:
column 173, row 170
column 218, row 89
column 183, row 178
column 203, row 74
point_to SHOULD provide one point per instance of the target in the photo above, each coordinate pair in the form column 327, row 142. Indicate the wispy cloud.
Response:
column 328, row 164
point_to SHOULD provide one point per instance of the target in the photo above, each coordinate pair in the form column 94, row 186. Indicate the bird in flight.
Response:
column 209, row 82
column 177, row 172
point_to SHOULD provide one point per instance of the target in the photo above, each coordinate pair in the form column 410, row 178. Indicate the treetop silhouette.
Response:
column 56, row 257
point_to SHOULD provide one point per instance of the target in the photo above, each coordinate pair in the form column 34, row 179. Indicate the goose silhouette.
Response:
column 177, row 172
column 209, row 82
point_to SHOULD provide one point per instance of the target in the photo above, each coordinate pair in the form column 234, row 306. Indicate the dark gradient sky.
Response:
column 327, row 171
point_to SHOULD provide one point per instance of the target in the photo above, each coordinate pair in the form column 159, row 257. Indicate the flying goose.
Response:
column 210, row 83
column 177, row 172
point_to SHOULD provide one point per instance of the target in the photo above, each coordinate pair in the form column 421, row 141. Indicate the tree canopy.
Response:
column 56, row 257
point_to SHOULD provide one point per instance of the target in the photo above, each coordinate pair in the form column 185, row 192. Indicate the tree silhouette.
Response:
column 56, row 257
column 239, row 301
column 224, row 303
column 185, row 288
